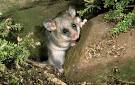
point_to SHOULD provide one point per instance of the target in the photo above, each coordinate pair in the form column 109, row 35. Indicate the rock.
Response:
column 105, row 51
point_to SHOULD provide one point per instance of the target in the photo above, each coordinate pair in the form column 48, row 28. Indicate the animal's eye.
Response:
column 73, row 25
column 65, row 31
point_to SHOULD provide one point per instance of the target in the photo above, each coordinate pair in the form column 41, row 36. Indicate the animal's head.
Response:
column 66, row 26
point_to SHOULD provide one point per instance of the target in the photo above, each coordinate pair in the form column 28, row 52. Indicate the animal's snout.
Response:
column 74, row 36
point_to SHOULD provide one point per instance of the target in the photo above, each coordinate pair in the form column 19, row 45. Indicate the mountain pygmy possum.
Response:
column 62, row 33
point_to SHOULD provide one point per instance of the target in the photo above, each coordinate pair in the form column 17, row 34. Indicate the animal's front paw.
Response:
column 83, row 22
column 73, row 44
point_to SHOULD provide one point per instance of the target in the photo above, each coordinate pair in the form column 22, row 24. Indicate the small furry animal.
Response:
column 62, row 32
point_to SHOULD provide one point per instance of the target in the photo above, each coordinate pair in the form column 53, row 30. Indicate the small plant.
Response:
column 118, row 15
column 28, row 41
column 7, row 26
column 118, row 8
column 115, row 15
column 10, row 50
column 90, row 6
column 114, row 77
column 124, row 25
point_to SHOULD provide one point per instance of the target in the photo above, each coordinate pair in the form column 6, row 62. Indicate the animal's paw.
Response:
column 73, row 44
column 83, row 22
column 61, row 70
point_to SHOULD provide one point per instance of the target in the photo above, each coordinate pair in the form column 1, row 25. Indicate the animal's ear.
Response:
column 71, row 11
column 50, row 25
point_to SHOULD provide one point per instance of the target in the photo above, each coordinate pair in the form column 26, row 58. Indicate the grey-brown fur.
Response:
column 62, row 33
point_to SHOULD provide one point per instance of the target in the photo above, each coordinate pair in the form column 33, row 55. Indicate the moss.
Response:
column 127, row 70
